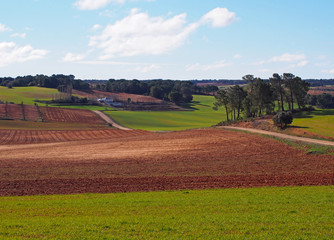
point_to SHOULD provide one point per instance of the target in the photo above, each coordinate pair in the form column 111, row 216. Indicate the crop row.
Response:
column 39, row 136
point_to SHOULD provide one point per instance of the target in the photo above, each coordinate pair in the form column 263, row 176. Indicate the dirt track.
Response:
column 193, row 159
column 110, row 120
column 283, row 136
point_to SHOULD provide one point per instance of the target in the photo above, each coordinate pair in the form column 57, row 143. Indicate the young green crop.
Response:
column 200, row 114
column 254, row 213
column 320, row 121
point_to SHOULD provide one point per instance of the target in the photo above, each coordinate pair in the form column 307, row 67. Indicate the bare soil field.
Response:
column 52, row 114
column 193, row 159
column 123, row 97
column 10, row 137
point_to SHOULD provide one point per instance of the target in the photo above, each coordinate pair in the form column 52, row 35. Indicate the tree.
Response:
column 278, row 89
column 282, row 119
column 237, row 95
column 222, row 99
column 175, row 97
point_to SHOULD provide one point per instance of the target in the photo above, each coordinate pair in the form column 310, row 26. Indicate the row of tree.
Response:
column 324, row 100
column 168, row 90
column 53, row 81
column 258, row 97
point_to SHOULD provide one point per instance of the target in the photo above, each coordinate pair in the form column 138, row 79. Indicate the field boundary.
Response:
column 283, row 136
column 111, row 121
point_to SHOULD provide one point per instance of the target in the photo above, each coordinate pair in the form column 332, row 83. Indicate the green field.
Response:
column 200, row 115
column 319, row 122
column 254, row 213
column 26, row 94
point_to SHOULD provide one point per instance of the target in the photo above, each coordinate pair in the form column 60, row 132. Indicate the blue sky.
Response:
column 169, row 39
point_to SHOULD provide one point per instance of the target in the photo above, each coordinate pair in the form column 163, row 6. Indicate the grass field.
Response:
column 26, row 94
column 200, row 115
column 254, row 213
column 319, row 122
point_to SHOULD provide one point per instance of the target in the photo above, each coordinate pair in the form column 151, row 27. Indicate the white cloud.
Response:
column 302, row 63
column 70, row 57
column 3, row 28
column 139, row 33
column 21, row 35
column 96, row 27
column 287, row 57
column 219, row 17
column 331, row 71
column 206, row 67
column 94, row 4
column 12, row 53
column 237, row 56
column 264, row 70
column 148, row 68
column 259, row 63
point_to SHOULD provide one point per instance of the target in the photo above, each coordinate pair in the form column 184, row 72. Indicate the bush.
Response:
column 282, row 119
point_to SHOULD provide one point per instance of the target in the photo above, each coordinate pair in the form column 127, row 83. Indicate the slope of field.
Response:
column 42, row 136
column 26, row 94
column 320, row 122
column 256, row 213
column 193, row 159
column 51, row 114
column 200, row 115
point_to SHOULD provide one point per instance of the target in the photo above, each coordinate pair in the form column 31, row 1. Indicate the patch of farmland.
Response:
column 193, row 159
column 52, row 114
column 123, row 97
column 31, row 113
column 44, row 136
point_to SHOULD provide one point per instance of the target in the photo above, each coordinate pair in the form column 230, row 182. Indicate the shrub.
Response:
column 282, row 119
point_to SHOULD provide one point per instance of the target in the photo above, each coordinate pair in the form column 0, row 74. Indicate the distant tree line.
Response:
column 53, row 81
column 169, row 90
column 258, row 97
column 323, row 101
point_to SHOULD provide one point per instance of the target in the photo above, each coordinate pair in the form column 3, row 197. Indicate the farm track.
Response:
column 144, row 161
column 109, row 120
column 283, row 136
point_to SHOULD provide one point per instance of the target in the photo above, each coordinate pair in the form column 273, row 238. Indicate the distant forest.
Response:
column 176, row 91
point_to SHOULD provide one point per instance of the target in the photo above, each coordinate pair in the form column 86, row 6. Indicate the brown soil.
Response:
column 51, row 114
column 194, row 159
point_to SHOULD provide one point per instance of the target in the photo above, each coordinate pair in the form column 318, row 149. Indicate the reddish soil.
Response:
column 14, row 111
column 321, row 90
column 31, row 113
column 123, row 97
column 194, row 159
column 10, row 137
column 51, row 114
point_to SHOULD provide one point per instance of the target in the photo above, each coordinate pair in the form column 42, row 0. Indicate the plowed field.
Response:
column 52, row 114
column 193, row 159
column 10, row 137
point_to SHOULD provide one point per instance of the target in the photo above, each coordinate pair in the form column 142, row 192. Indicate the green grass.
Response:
column 200, row 115
column 319, row 122
column 254, row 213
column 26, row 94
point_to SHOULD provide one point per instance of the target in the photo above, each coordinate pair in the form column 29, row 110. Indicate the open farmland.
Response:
column 26, row 94
column 319, row 122
column 194, row 159
column 200, row 115
column 253, row 213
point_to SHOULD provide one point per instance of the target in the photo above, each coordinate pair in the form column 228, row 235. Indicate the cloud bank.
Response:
column 10, row 52
column 140, row 34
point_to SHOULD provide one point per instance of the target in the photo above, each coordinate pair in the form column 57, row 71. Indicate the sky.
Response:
column 167, row 39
